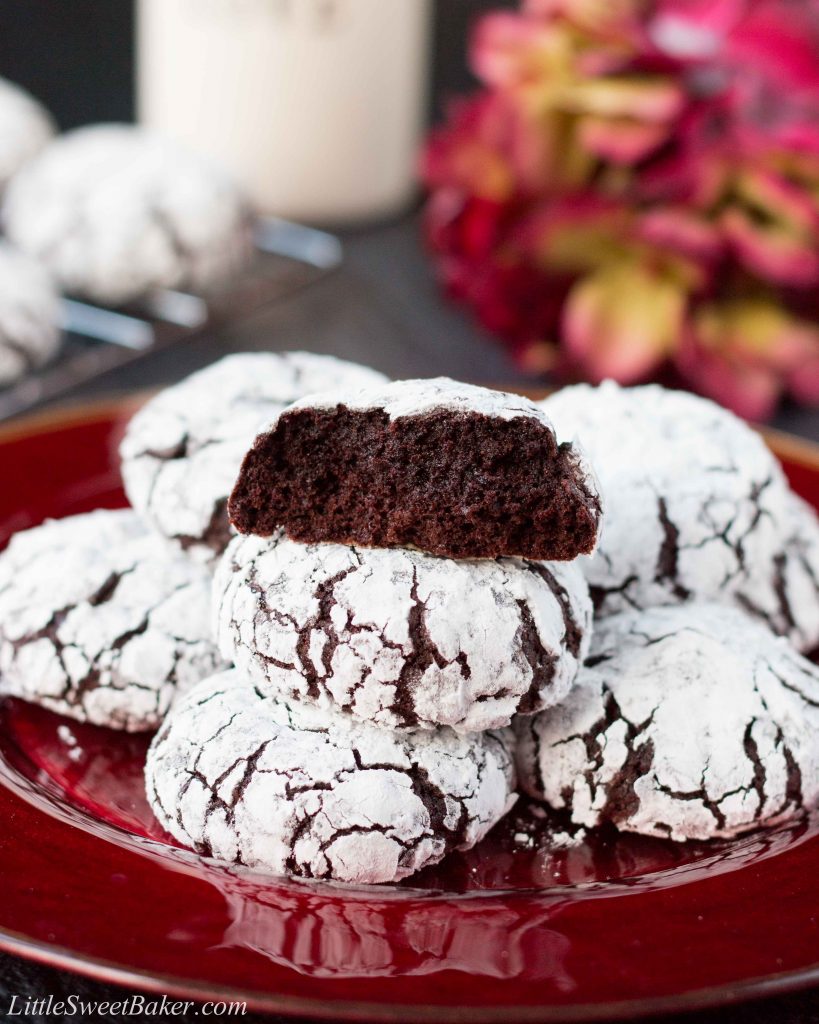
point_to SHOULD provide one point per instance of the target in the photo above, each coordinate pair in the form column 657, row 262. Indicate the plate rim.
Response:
column 710, row 997
column 796, row 449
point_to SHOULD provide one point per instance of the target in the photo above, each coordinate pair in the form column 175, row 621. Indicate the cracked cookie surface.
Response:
column 182, row 451
column 398, row 637
column 784, row 593
column 696, row 504
column 102, row 620
column 449, row 468
column 115, row 212
column 294, row 790
column 687, row 722
column 25, row 127
column 29, row 314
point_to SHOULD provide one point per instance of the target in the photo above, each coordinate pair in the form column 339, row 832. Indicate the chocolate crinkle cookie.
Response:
column 101, row 620
column 398, row 637
column 784, row 592
column 246, row 778
column 115, row 212
column 688, row 722
column 29, row 315
column 25, row 127
column 451, row 469
column 696, row 505
column 182, row 451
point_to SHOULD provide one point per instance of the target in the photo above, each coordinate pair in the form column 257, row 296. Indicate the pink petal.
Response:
column 682, row 231
column 772, row 255
column 749, row 391
column 612, row 19
column 621, row 141
column 799, row 136
column 621, row 322
column 504, row 48
column 782, row 198
column 717, row 16
column 651, row 99
column 485, row 148
column 574, row 233
column 778, row 41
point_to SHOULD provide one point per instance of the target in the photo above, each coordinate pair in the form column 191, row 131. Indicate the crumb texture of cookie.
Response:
column 182, row 451
column 400, row 638
column 101, row 620
column 115, row 212
column 452, row 469
column 687, row 722
column 696, row 505
column 244, row 778
column 25, row 127
column 29, row 315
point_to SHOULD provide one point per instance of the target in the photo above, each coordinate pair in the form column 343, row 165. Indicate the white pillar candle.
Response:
column 315, row 105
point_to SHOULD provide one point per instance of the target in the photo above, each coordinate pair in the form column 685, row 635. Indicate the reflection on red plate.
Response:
column 524, row 925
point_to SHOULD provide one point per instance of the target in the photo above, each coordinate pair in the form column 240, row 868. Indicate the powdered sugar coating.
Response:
column 418, row 397
column 401, row 638
column 695, row 502
column 101, row 620
column 785, row 592
column 183, row 449
column 29, row 315
column 25, row 127
column 115, row 211
column 688, row 722
column 245, row 778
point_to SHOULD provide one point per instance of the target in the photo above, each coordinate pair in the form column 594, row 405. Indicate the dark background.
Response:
column 76, row 56
column 45, row 44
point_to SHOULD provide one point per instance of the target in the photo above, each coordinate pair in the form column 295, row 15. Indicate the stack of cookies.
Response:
column 105, row 616
column 405, row 583
column 361, row 616
column 696, row 714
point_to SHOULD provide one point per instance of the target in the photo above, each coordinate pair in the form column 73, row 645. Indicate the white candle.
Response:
column 315, row 105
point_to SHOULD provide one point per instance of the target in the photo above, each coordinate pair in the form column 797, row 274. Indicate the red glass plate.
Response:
column 519, row 928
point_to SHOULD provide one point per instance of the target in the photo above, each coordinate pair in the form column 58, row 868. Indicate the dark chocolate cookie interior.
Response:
column 448, row 482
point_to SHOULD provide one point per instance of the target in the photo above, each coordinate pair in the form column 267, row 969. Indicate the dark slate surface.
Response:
column 381, row 308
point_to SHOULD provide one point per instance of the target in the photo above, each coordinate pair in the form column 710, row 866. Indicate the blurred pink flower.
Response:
column 745, row 353
column 623, row 321
column 638, row 186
